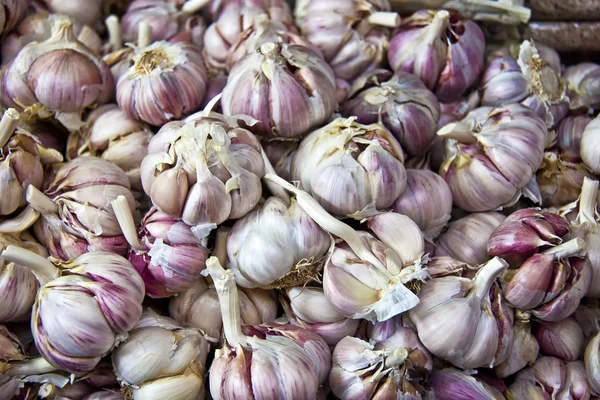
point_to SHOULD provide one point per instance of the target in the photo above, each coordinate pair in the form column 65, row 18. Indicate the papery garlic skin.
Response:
column 344, row 176
column 166, row 82
column 161, row 359
column 454, row 384
column 583, row 82
column 590, row 146
column 562, row 339
column 560, row 182
column 489, row 164
column 399, row 101
column 34, row 80
column 524, row 350
column 466, row 238
column 11, row 349
column 351, row 36
column 276, row 245
column 442, row 48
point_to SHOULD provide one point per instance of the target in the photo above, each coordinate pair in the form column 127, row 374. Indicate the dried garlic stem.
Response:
column 39, row 201
column 8, row 124
column 114, row 32
column 274, row 188
column 568, row 249
column 385, row 18
column 35, row 366
column 220, row 250
column 193, row 6
column 487, row 275
column 144, row 38
column 588, row 202
column 43, row 269
column 125, row 219
column 21, row 222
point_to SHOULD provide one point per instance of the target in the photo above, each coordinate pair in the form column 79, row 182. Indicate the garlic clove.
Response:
column 400, row 233
column 514, row 241
column 563, row 339
column 526, row 289
column 453, row 384
column 524, row 351
column 169, row 191
column 592, row 363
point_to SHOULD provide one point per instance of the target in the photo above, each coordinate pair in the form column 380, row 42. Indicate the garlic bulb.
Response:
column 112, row 135
column 160, row 360
column 280, row 153
column 592, row 363
column 350, row 168
column 400, row 102
column 12, row 12
column 87, row 13
column 166, row 81
column 22, row 161
column 29, row 82
column 568, row 136
column 560, row 181
column 17, row 284
column 276, row 245
column 562, row 339
column 427, row 200
column 454, row 384
column 263, row 361
column 76, row 211
column 550, row 276
column 353, row 36
column 590, row 146
column 289, row 89
column 489, row 164
column 528, row 79
column 583, row 82
column 199, row 307
column 466, row 238
column 167, row 20
column 38, row 27
column 105, row 395
column 204, row 171
column 476, row 322
column 457, row 110
column 97, row 296
column 309, row 308
column 553, row 378
column 442, row 48
column 396, row 367
column 523, row 351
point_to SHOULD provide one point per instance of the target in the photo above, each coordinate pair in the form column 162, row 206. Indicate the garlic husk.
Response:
column 568, row 136
column 439, row 266
column 563, row 339
column 97, row 296
column 454, row 384
column 396, row 367
column 466, row 239
column 77, row 214
column 204, row 171
column 529, row 79
column 427, row 200
column 199, row 307
column 167, row 81
column 353, row 36
column 261, row 361
column 442, row 48
column 480, row 338
column 590, row 146
column 280, row 153
column 13, row 12
column 276, row 245
column 560, row 181
column 400, row 102
column 372, row 177
column 288, row 89
column 583, row 82
column 524, row 350
column 490, row 161
column 28, row 82
column 161, row 359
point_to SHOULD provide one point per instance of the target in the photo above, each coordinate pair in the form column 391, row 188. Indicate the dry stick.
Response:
column 144, row 38
column 567, row 249
column 125, row 218
column 114, row 32
column 21, row 222
column 39, row 201
column 385, row 18
column 43, row 269
column 8, row 124
column 220, row 250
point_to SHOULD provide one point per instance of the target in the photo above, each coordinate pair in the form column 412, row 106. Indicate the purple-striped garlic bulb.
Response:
column 287, row 88
column 96, row 296
column 204, row 171
column 442, row 48
column 400, row 102
column 58, row 75
column 583, row 83
column 396, row 367
column 550, row 274
column 259, row 361
column 466, row 238
column 490, row 161
column 458, row 109
column 160, row 359
column 530, row 80
column 352, row 35
column 455, row 384
column 75, row 207
column 427, row 200
column 563, row 339
column 590, row 146
column 350, row 168
column 167, row 81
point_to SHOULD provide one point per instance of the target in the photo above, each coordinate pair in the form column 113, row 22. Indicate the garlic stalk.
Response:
column 583, row 82
column 590, row 146
column 476, row 322
column 97, row 296
column 262, row 361
column 563, row 339
column 454, row 384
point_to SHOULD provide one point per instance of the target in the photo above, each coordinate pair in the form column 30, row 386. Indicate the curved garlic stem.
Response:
column 43, row 269
column 144, row 38
column 114, row 32
column 125, row 220
column 39, row 201
column 274, row 188
column 228, row 300
column 396, row 357
column 193, row 6
column 8, row 124
column 329, row 223
column 588, row 202
column 21, row 222
column 209, row 107
column 438, row 26
column 35, row 366
column 568, row 249
column 487, row 275
column 460, row 131
column 220, row 250
column 385, row 18
column 62, row 30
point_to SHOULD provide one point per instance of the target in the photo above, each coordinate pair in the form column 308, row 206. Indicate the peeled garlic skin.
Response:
column 562, row 339
column 590, row 146
column 454, row 384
